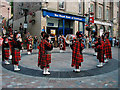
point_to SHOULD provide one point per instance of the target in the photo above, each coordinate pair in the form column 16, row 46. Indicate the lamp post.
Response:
column 25, row 10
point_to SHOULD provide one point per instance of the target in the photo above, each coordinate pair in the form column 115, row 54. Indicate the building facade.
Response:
column 63, row 17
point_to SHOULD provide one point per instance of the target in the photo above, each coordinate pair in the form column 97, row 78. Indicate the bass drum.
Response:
column 69, row 38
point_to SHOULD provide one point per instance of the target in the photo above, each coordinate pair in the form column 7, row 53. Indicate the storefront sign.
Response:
column 64, row 16
column 102, row 23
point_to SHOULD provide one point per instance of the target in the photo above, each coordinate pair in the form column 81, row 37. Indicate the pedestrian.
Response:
column 108, row 52
column 35, row 42
column 111, row 40
column 62, row 44
column 21, row 29
column 77, row 56
column 100, row 52
column 44, row 57
column 16, row 57
column 5, row 51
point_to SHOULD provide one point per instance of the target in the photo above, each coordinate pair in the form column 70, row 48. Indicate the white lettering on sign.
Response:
column 62, row 16
column 67, row 17
column 77, row 18
column 56, row 15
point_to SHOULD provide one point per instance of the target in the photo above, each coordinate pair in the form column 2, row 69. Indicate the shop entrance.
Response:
column 67, row 25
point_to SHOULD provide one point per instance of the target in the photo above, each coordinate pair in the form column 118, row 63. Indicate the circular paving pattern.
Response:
column 109, row 67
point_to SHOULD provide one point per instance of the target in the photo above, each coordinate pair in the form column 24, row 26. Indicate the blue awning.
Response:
column 63, row 15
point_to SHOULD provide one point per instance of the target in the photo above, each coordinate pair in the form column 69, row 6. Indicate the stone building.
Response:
column 63, row 17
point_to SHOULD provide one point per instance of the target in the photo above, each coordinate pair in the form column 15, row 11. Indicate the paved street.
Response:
column 62, row 76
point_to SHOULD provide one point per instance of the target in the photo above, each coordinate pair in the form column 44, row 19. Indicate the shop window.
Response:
column 91, row 7
column 61, row 4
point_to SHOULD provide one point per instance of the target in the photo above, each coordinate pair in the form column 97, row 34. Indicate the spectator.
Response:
column 35, row 42
column 21, row 29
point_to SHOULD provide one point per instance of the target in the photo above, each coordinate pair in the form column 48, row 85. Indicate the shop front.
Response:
column 61, row 23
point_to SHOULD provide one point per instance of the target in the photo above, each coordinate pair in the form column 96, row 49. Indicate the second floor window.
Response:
column 61, row 4
column 107, row 14
column 91, row 8
column 80, row 7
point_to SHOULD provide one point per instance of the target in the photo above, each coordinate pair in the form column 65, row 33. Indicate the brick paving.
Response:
column 61, row 63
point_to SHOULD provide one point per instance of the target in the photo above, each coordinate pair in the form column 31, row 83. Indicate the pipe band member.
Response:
column 5, row 51
column 44, row 58
column 108, row 51
column 100, row 52
column 17, row 46
column 77, row 56
column 62, row 44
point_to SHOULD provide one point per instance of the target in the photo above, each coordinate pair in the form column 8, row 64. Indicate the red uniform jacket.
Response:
column 77, row 57
column 43, row 58
column 108, row 52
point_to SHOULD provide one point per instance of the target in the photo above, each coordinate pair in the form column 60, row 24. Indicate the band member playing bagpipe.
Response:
column 100, row 52
column 11, row 40
column 62, row 44
column 44, row 58
column 5, row 51
column 16, row 57
column 108, row 51
column 29, row 45
column 77, row 56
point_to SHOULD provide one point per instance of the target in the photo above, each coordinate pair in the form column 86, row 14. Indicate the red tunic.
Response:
column 43, row 58
column 77, row 57
column 108, row 52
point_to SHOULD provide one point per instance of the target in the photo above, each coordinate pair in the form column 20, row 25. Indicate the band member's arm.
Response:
column 48, row 44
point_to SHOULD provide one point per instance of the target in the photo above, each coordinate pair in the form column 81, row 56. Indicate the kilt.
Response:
column 6, row 53
column 45, row 60
column 76, row 61
column 16, row 56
